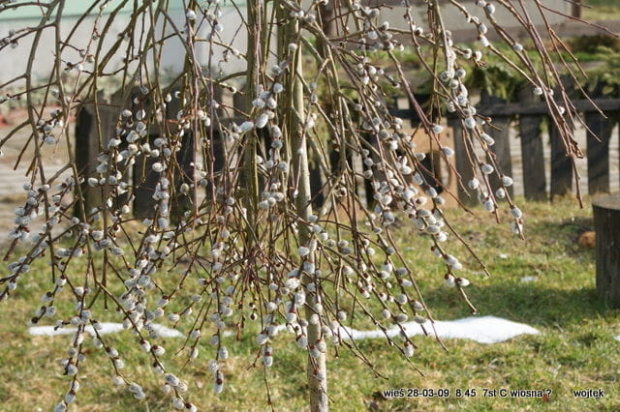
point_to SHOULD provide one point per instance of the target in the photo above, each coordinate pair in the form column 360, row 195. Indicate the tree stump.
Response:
column 606, row 209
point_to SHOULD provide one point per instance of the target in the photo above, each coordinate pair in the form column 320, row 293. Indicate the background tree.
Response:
column 232, row 242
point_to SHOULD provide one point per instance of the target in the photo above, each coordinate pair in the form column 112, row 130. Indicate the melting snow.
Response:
column 485, row 329
column 106, row 327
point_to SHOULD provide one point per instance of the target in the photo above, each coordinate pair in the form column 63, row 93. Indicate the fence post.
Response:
column 145, row 178
column 599, row 129
column 144, row 182
column 561, row 163
column 532, row 154
column 91, row 138
column 463, row 167
column 180, row 201
column 576, row 8
column 214, row 148
column 500, row 131
column 86, row 150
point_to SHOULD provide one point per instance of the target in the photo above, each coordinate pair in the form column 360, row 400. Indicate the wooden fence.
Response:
column 96, row 127
column 529, row 115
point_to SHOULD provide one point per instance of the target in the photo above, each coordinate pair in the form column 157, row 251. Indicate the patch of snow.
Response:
column 526, row 279
column 618, row 338
column 485, row 329
column 106, row 327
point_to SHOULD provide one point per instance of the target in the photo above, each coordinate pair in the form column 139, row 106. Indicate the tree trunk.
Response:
column 249, row 177
column 316, row 368
column 606, row 211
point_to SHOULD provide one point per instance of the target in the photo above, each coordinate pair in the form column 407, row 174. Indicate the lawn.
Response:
column 601, row 10
column 546, row 281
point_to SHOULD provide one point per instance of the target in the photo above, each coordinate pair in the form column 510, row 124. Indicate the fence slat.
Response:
column 598, row 152
column 90, row 140
column 86, row 149
column 463, row 166
column 532, row 152
column 185, row 156
column 561, row 165
column 145, row 178
column 501, row 149
column 144, row 182
column 532, row 158
column 500, row 131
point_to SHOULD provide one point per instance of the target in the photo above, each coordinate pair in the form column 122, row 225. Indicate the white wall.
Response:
column 453, row 17
column 14, row 61
column 454, row 20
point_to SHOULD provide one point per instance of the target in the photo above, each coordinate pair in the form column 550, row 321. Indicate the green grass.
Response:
column 601, row 10
column 576, row 348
